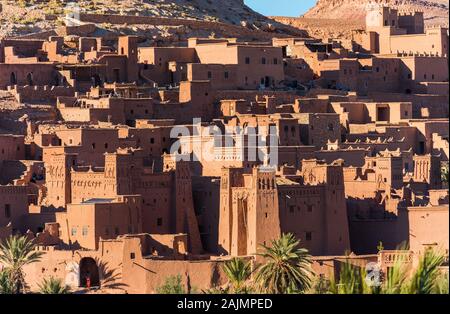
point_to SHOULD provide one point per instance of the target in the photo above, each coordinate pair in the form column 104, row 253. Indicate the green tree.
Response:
column 53, row 286
column 395, row 278
column 5, row 284
column 444, row 173
column 238, row 272
column 426, row 278
column 172, row 285
column 352, row 280
column 15, row 253
column 287, row 267
column 401, row 278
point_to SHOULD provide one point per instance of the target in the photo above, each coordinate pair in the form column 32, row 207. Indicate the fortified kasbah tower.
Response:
column 382, row 16
column 58, row 177
column 128, row 47
column 248, row 211
column 390, row 31
column 331, row 177
column 185, row 218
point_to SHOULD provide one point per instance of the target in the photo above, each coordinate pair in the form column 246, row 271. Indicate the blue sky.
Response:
column 281, row 7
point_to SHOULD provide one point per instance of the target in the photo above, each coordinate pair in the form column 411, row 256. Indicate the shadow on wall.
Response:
column 96, row 273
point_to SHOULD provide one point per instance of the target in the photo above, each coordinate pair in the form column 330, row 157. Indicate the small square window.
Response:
column 73, row 232
column 132, row 256
column 7, row 210
column 308, row 236
column 84, row 231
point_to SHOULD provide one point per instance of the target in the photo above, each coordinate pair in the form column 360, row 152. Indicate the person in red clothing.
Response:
column 88, row 280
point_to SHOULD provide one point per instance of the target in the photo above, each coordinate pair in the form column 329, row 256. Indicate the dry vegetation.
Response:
column 26, row 16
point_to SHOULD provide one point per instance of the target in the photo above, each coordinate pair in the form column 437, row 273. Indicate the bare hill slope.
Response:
column 19, row 17
column 435, row 11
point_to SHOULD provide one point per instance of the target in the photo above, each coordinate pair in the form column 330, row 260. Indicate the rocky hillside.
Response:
column 18, row 17
column 436, row 11
column 338, row 18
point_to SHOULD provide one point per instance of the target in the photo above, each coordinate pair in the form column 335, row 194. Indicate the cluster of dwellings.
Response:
column 361, row 134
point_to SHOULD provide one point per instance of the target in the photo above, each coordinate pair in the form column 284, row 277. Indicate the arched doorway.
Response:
column 30, row 79
column 96, row 81
column 89, row 272
column 13, row 79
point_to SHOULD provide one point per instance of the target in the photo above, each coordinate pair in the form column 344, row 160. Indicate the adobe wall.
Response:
column 222, row 76
column 432, row 42
column 301, row 211
column 422, row 220
column 12, row 147
column 88, row 184
column 14, row 205
column 42, row 74
column 23, row 47
column 123, row 268
column 330, row 266
column 436, row 88
column 11, row 57
column 352, row 157
column 80, row 30
column 440, row 146
column 36, row 94
column 424, row 106
column 206, row 193
column 365, row 235
column 281, row 97
column 85, row 224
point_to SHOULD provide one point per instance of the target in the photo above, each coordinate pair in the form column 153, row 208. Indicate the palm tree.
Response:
column 16, row 253
column 442, row 284
column 238, row 272
column 172, row 285
column 352, row 280
column 444, row 173
column 5, row 284
column 426, row 277
column 53, row 286
column 287, row 268
column 395, row 279
column 401, row 278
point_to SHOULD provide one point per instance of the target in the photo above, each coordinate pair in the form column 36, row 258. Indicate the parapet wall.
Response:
column 282, row 97
column 44, row 93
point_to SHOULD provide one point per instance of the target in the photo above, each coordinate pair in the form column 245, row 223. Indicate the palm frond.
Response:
column 53, row 286
column 287, row 268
